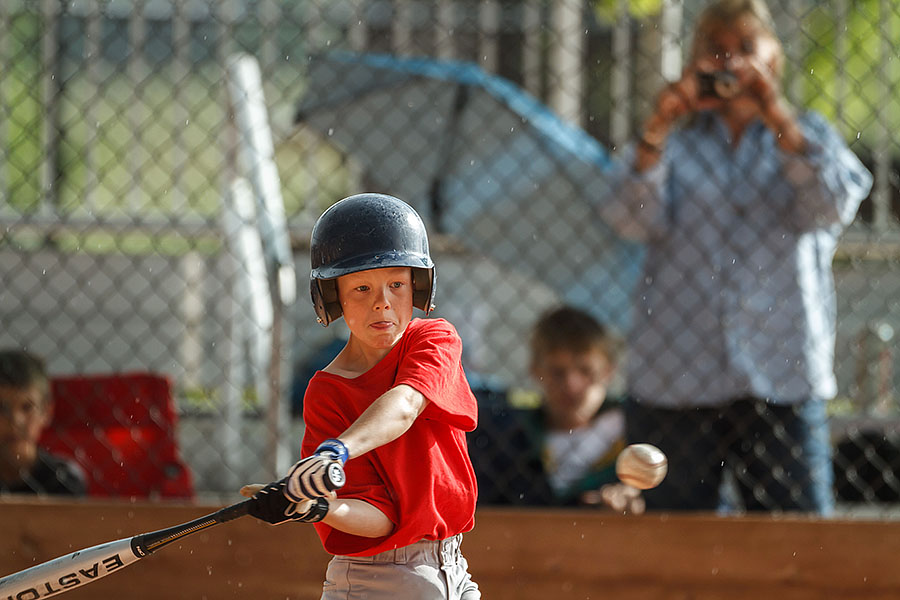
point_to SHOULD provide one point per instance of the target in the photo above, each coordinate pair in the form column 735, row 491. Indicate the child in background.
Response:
column 565, row 451
column 25, row 410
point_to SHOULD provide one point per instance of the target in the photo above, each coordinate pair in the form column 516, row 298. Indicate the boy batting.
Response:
column 392, row 409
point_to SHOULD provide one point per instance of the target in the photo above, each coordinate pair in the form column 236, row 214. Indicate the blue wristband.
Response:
column 335, row 447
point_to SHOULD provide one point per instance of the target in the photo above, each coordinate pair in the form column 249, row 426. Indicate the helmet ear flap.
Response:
column 424, row 288
column 325, row 300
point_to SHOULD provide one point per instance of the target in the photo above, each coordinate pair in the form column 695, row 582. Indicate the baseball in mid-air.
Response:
column 642, row 466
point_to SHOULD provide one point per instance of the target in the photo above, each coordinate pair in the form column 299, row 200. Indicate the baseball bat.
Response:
column 90, row 564
column 86, row 566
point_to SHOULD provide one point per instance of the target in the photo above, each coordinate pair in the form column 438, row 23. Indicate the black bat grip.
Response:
column 236, row 510
column 146, row 543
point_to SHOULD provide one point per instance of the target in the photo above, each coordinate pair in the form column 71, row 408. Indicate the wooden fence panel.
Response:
column 513, row 554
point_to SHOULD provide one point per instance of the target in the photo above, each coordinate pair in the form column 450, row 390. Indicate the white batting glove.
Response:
column 317, row 476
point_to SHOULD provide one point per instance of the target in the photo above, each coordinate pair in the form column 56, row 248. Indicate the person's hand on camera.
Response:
column 762, row 86
column 674, row 101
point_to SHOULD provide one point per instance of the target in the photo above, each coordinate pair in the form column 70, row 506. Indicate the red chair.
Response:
column 121, row 429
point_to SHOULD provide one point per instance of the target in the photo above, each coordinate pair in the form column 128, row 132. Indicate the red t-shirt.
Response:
column 423, row 481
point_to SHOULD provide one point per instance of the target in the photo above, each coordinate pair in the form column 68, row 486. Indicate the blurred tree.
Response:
column 608, row 10
column 851, row 73
column 20, row 82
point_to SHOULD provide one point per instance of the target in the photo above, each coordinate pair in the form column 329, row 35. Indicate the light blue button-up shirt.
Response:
column 737, row 295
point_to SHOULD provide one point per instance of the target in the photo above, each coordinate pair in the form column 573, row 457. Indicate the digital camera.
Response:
column 718, row 84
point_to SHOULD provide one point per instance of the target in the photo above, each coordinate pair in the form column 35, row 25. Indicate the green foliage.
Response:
column 145, row 147
column 208, row 400
column 846, row 69
column 22, row 125
column 607, row 11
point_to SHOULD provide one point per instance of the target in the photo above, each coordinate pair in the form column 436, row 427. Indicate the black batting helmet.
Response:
column 368, row 231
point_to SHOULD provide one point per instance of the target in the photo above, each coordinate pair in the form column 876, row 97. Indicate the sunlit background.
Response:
column 162, row 163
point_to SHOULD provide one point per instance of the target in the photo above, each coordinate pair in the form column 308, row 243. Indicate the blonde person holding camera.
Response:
column 740, row 200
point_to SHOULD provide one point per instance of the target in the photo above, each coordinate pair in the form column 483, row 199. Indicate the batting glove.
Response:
column 318, row 475
column 272, row 506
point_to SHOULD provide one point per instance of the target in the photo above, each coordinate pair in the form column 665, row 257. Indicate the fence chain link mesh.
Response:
column 133, row 235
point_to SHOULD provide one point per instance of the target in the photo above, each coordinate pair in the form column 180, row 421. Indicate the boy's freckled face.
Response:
column 377, row 304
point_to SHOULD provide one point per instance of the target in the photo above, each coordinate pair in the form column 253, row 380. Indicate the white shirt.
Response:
column 571, row 455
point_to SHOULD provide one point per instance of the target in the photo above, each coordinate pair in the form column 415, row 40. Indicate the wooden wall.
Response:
column 564, row 555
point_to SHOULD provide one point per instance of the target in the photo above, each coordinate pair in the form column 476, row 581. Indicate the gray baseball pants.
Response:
column 426, row 570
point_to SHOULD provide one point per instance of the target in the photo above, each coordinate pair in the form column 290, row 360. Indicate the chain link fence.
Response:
column 140, row 222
